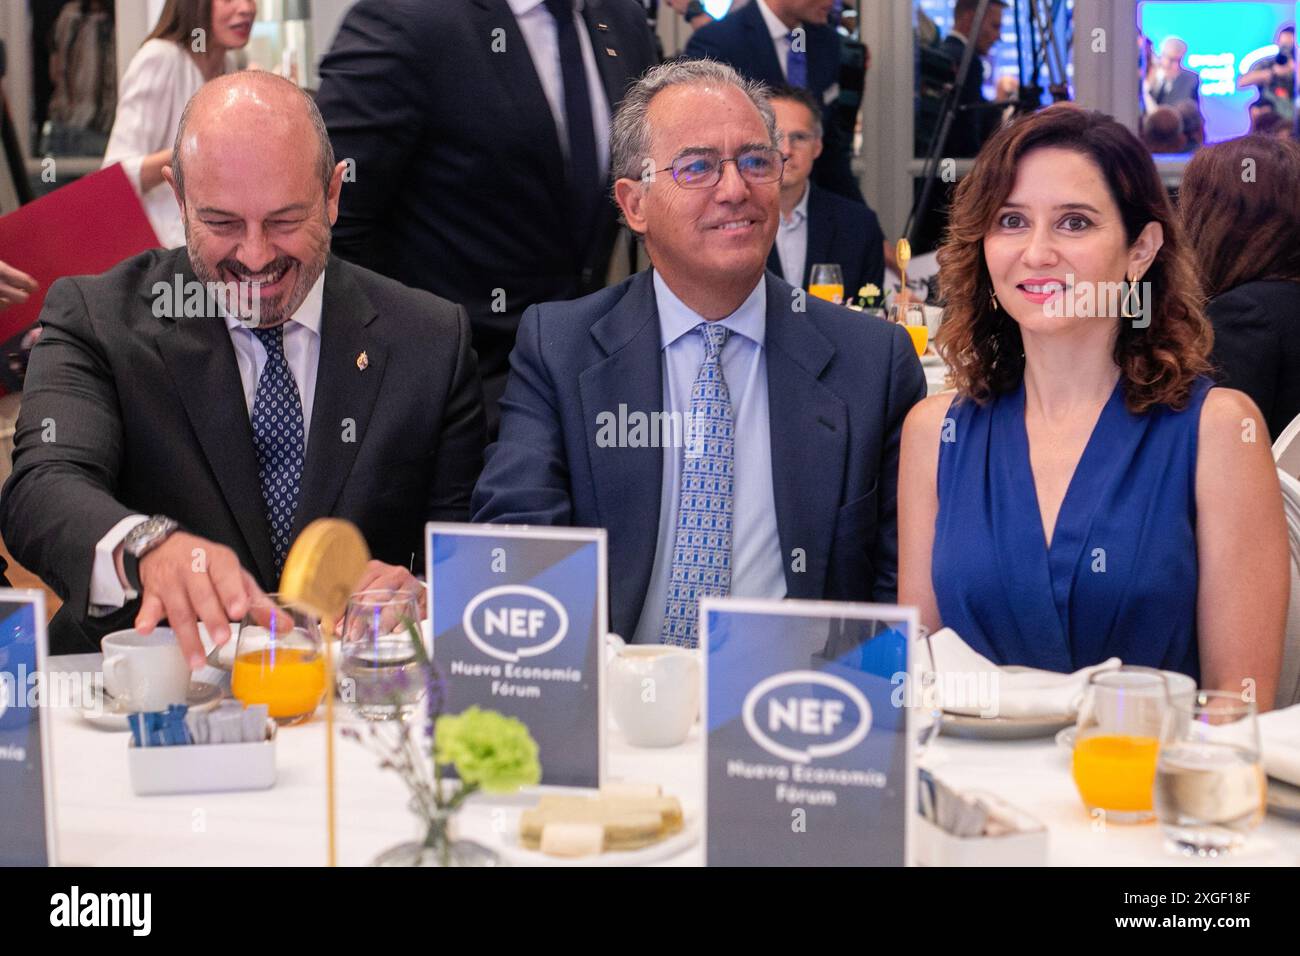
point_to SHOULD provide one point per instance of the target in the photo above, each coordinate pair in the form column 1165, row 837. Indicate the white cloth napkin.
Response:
column 1279, row 732
column 967, row 682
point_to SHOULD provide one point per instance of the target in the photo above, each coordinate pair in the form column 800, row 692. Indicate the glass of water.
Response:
column 380, row 672
column 1210, row 788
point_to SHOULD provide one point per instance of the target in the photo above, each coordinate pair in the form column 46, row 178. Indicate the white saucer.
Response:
column 112, row 717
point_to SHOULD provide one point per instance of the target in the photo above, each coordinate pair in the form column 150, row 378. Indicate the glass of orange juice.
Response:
column 279, row 661
column 1117, row 741
column 911, row 316
column 826, row 281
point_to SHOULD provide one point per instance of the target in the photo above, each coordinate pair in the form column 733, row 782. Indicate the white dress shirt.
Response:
column 792, row 241
column 301, row 351
column 538, row 27
column 159, row 81
column 780, row 34
column 756, row 567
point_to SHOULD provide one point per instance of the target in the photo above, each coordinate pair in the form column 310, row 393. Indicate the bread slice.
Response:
column 627, row 823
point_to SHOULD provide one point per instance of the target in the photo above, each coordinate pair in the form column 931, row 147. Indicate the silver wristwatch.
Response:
column 142, row 539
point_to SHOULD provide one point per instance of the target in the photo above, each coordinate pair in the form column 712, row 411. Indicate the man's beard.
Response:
column 269, row 312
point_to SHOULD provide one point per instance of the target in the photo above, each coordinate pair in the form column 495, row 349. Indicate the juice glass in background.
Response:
column 1117, row 741
column 911, row 316
column 1210, row 785
column 826, row 281
column 279, row 661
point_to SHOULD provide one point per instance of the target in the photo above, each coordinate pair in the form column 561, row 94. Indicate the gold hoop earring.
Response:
column 1131, row 295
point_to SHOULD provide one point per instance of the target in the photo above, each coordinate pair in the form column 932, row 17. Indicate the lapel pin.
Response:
column 601, row 26
column 363, row 361
column 610, row 51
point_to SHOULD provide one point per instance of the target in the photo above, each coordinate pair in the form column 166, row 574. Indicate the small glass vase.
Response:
column 439, row 848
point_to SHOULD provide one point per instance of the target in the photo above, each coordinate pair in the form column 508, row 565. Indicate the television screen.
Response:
column 1224, row 41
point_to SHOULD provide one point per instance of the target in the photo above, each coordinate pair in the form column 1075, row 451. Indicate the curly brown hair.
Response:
column 1243, row 229
column 981, row 343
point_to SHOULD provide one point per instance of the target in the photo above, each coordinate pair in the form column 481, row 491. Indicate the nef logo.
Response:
column 514, row 621
column 803, row 716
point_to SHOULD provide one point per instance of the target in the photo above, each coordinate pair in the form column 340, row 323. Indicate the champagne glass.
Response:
column 1210, row 785
column 1116, row 742
column 826, row 281
column 380, row 674
column 279, row 661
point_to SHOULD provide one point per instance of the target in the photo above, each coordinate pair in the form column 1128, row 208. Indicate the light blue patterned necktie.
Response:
column 706, row 508
column 279, row 437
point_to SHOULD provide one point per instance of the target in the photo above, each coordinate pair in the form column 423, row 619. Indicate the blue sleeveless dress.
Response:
column 1120, row 577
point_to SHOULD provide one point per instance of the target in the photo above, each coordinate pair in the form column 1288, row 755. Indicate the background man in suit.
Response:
column 971, row 127
column 780, row 42
column 480, row 133
column 816, row 225
column 1171, row 84
column 769, row 465
column 233, row 433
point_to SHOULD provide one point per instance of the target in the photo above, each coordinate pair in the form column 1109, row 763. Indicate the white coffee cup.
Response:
column 145, row 672
column 654, row 691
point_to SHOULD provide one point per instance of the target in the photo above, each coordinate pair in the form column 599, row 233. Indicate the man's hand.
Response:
column 392, row 577
column 188, row 579
column 15, row 286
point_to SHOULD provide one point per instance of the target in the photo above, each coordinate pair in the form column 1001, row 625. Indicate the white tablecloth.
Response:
column 101, row 822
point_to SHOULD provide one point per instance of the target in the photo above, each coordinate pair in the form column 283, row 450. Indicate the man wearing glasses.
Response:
column 732, row 434
column 817, row 225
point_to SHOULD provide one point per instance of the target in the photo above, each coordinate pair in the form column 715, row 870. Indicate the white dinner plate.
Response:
column 974, row 727
column 1283, row 799
column 679, row 842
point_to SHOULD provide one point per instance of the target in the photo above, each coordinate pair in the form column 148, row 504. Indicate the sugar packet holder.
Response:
column 990, row 831
column 203, row 767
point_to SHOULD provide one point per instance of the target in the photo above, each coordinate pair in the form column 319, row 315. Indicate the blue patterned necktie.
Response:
column 279, row 436
column 796, row 66
column 702, row 548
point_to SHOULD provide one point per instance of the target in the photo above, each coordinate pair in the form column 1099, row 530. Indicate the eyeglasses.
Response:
column 799, row 139
column 703, row 169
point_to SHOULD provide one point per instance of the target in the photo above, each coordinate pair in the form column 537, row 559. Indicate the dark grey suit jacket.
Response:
column 1185, row 86
column 125, row 412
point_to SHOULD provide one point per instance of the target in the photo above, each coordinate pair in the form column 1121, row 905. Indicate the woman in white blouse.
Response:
column 191, row 44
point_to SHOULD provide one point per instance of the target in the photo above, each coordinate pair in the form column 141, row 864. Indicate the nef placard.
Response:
column 519, row 617
column 808, row 759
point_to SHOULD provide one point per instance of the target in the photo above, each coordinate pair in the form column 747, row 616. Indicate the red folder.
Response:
column 83, row 228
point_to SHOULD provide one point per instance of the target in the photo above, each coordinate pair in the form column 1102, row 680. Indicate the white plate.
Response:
column 973, row 727
column 1283, row 799
column 1003, row 728
column 679, row 842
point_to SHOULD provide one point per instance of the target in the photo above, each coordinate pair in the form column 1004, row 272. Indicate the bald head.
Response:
column 243, row 109
column 258, row 189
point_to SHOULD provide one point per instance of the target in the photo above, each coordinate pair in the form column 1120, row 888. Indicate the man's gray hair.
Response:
column 325, row 149
column 629, row 142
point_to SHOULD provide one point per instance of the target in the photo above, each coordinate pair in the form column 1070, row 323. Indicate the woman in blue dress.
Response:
column 1087, row 493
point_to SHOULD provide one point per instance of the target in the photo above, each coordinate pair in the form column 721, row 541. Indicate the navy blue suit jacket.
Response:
column 839, row 386
column 843, row 232
column 742, row 41
column 459, row 164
